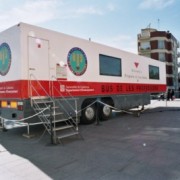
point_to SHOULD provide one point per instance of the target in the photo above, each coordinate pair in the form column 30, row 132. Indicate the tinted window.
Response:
column 109, row 66
column 153, row 72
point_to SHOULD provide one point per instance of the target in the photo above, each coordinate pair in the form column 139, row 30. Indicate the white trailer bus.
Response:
column 37, row 63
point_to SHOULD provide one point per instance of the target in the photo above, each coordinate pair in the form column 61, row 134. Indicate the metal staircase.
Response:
column 55, row 117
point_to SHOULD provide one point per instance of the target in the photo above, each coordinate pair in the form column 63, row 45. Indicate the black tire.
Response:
column 105, row 112
column 88, row 115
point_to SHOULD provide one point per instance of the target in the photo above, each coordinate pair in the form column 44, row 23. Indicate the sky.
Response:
column 114, row 23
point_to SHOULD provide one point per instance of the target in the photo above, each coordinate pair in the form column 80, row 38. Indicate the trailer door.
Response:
column 38, row 56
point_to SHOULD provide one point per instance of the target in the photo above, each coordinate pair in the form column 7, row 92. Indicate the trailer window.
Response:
column 109, row 66
column 153, row 72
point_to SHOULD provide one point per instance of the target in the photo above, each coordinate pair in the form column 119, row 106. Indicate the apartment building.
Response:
column 162, row 46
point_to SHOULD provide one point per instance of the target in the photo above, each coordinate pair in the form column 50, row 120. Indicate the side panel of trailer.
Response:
column 61, row 48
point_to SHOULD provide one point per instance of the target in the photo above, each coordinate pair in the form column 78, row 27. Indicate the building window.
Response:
column 155, row 56
column 161, row 44
column 153, row 72
column 162, row 57
column 169, row 69
column 145, row 45
column 109, row 66
column 170, row 81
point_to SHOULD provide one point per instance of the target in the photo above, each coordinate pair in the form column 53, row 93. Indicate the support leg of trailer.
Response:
column 2, row 127
column 138, row 113
column 28, row 135
column 97, row 113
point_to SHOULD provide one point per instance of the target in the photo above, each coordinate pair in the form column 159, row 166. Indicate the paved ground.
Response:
column 125, row 147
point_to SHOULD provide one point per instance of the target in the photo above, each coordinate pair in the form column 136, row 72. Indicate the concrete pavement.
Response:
column 125, row 147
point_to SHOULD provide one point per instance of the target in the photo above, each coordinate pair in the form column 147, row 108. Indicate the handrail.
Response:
column 61, row 95
column 65, row 99
column 44, row 119
column 31, row 75
column 55, row 100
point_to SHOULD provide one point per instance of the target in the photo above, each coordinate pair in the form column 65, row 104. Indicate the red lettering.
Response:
column 129, row 88
column 119, row 88
column 107, row 88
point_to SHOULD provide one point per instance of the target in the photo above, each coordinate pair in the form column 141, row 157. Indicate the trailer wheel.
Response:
column 105, row 112
column 88, row 115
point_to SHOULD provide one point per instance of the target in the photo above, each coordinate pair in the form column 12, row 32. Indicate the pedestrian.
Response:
column 168, row 94
column 172, row 94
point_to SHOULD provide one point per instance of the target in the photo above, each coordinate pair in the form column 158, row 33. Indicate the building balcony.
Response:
column 143, row 36
column 148, row 49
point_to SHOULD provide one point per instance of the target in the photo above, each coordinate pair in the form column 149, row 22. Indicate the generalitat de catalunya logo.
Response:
column 77, row 61
column 5, row 58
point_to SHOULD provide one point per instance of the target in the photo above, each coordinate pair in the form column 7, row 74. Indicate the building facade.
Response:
column 162, row 46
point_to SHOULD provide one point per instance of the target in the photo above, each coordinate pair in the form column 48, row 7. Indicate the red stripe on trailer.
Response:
column 14, row 89
column 19, row 89
column 94, row 88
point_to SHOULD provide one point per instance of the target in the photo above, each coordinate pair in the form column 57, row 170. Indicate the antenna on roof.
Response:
column 158, row 21
column 149, row 25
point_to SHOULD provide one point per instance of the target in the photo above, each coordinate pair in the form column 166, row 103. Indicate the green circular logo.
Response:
column 77, row 61
column 5, row 58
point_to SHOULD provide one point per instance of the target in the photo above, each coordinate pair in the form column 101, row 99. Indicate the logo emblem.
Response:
column 136, row 64
column 77, row 61
column 5, row 58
